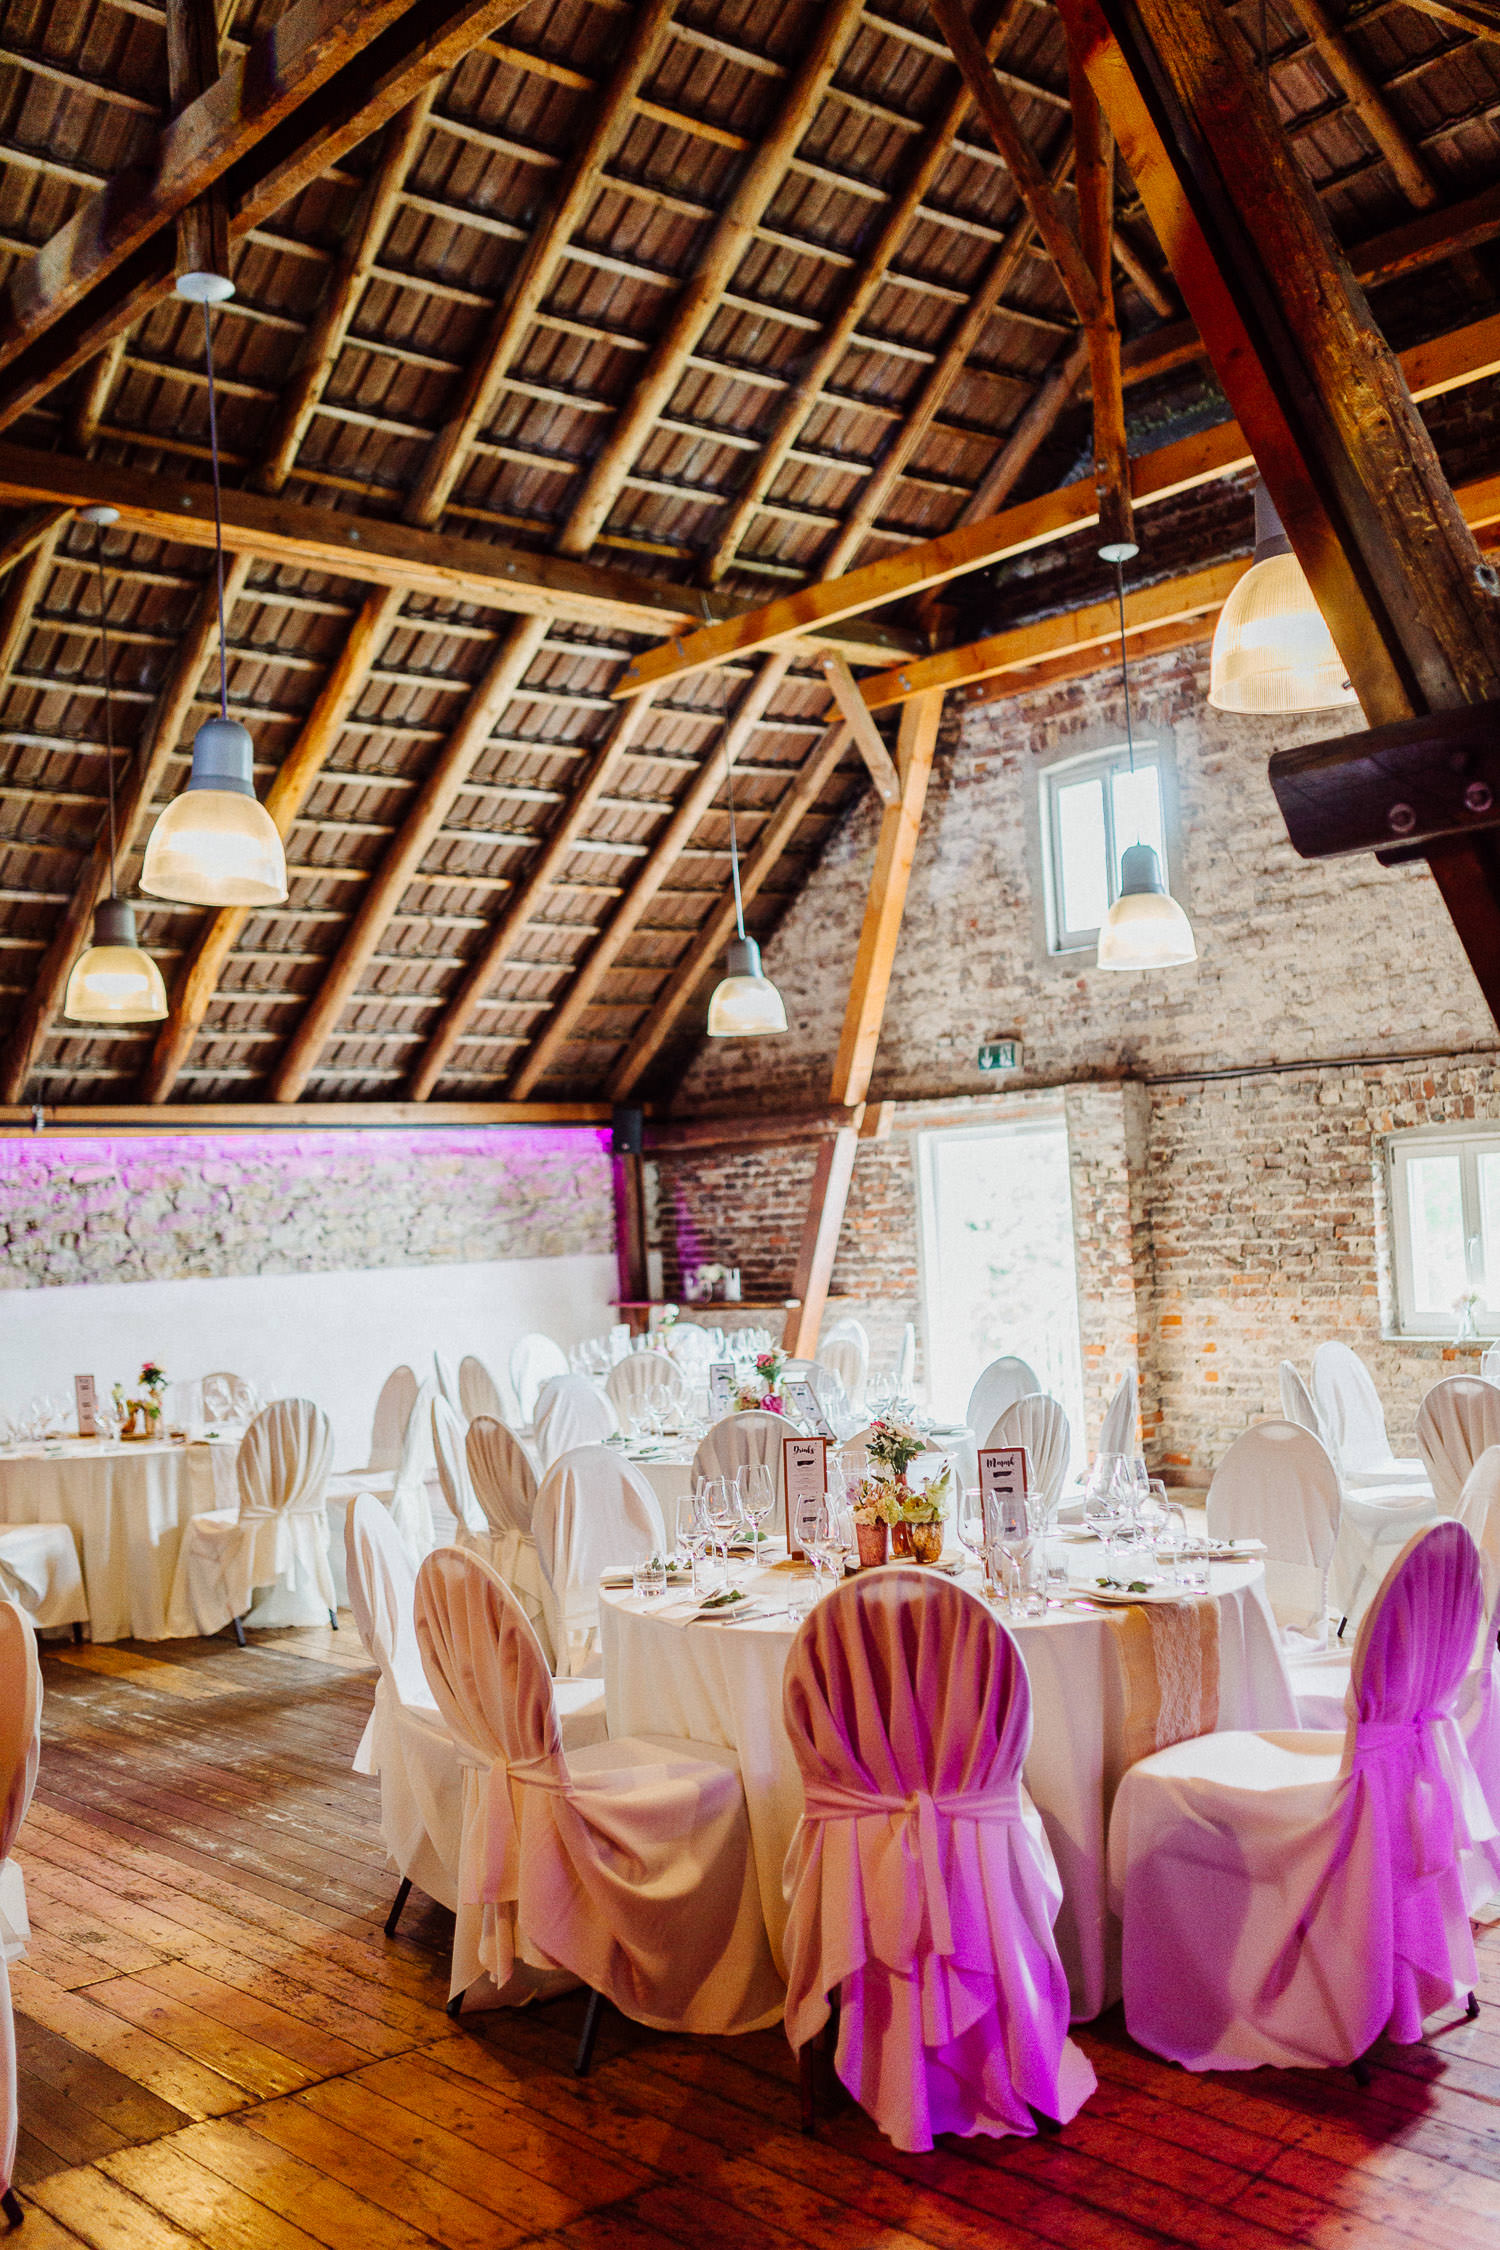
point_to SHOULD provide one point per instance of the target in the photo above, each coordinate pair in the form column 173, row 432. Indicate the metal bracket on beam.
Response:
column 1394, row 788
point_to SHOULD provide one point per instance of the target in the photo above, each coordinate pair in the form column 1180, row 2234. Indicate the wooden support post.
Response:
column 867, row 739
column 192, row 67
column 1094, row 172
column 628, row 1169
column 833, row 1169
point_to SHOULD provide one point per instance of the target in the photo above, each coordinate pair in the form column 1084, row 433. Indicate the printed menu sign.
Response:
column 1004, row 1481
column 804, row 1478
column 721, row 1386
column 803, row 1400
column 87, row 1401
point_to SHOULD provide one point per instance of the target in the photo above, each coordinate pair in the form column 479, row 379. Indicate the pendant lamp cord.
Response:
column 734, row 844
column 109, row 730
column 213, row 442
column 1124, row 666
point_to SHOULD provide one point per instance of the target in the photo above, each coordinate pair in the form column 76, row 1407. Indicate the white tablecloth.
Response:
column 722, row 1683
column 126, row 1506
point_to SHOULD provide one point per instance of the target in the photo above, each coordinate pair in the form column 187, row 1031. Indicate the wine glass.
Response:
column 1151, row 1509
column 723, row 1513
column 968, row 1522
column 759, row 1499
column 695, row 1531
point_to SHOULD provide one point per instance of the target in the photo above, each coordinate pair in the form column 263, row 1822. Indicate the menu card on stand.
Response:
column 87, row 1401
column 803, row 1400
column 721, row 1387
column 1004, row 1482
column 804, row 1476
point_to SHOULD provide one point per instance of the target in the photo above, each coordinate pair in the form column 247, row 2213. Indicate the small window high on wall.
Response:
column 999, row 1275
column 1092, row 809
column 1445, row 1229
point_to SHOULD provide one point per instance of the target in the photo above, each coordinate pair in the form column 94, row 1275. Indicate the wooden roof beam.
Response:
column 1094, row 173
column 833, row 26
column 609, row 118
column 1368, row 104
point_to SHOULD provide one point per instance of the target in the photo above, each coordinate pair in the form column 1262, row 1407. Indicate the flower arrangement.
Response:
column 929, row 1503
column 763, row 1390
column 894, row 1444
column 153, row 1378
column 146, row 1409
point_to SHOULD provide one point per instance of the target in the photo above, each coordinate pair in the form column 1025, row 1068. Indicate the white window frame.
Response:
column 1103, row 764
column 1438, row 1322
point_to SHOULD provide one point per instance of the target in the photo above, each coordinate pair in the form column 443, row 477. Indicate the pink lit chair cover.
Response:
column 1038, row 1423
column 1349, row 1407
column 20, row 1748
column 406, row 1742
column 453, row 1469
column 1276, row 1483
column 999, row 1386
column 594, row 1512
column 534, row 1360
column 1120, row 1430
column 740, row 1441
column 1288, row 1898
column 266, row 1564
column 478, row 1391
column 411, row 1498
column 921, row 1885
column 631, row 1381
column 570, row 1411
column 626, row 1863
column 1479, row 1698
column 505, row 1488
column 1458, row 1420
column 398, row 1395
column 40, row 1571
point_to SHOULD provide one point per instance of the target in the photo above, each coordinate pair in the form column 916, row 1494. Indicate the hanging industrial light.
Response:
column 1272, row 654
column 745, row 1003
column 1145, row 928
column 113, row 980
column 216, row 845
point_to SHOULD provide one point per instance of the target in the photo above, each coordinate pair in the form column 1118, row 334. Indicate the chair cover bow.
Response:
column 891, row 1917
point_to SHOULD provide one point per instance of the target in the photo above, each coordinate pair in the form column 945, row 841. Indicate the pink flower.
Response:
column 772, row 1404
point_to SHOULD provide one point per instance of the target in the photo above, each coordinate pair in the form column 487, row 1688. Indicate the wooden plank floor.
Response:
column 218, row 2046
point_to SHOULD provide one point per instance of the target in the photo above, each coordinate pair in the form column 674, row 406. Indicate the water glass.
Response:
column 649, row 1579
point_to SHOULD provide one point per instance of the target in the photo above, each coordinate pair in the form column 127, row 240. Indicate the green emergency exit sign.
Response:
column 1000, row 1054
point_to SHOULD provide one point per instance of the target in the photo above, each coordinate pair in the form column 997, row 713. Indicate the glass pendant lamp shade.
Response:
column 745, row 1003
column 1272, row 653
column 114, row 981
column 216, row 845
column 1145, row 928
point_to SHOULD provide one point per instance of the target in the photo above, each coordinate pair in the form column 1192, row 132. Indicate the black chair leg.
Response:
column 10, row 2204
column 1361, row 2071
column 455, row 2006
column 806, row 2084
column 400, row 1899
column 333, row 1619
column 1472, row 2010
column 77, row 1632
column 587, row 2036
column 239, row 1631
column 1047, row 2127
column 1343, row 1621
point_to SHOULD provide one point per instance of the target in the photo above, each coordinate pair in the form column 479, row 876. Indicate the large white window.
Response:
column 998, row 1268
column 1445, row 1229
column 1092, row 808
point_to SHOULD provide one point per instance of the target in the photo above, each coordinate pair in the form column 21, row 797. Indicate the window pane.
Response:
column 1078, row 810
column 1138, row 811
column 1434, row 1192
column 1487, row 1281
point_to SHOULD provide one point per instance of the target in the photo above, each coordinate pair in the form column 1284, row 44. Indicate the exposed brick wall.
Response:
column 1227, row 1223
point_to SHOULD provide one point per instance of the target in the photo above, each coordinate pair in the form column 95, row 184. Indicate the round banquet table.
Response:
column 126, row 1506
column 666, row 1674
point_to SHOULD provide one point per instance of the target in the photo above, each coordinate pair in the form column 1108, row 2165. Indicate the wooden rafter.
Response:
column 198, row 980
column 1369, row 104
column 1031, row 429
column 577, row 186
column 1094, row 178
column 856, row 715
column 695, row 303
column 403, row 856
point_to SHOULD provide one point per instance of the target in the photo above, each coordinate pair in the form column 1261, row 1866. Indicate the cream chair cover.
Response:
column 1288, row 1898
column 393, row 1409
column 505, row 1488
column 20, row 1748
column 999, row 1386
column 453, row 1470
column 534, row 1360
column 268, row 1563
column 1350, row 1410
column 1489, row 1363
column 445, row 1374
column 739, row 1441
column 228, row 1400
column 570, row 1411
column 411, row 1502
column 594, row 1512
column 40, row 1571
column 921, row 1886
column 406, row 1742
column 1297, row 1406
column 1459, row 1418
column 1038, row 1423
column 847, row 1359
column 1276, row 1483
column 627, row 1864
column 1120, row 1429
column 691, row 1347
column 631, row 1380
column 478, row 1391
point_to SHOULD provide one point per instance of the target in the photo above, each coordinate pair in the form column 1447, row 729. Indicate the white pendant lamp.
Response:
column 216, row 845
column 1272, row 653
column 1145, row 928
column 113, row 980
column 745, row 1003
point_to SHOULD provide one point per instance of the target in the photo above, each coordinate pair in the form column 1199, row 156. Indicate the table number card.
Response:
column 1004, row 1482
column 803, row 1400
column 86, row 1398
column 804, row 1476
column 721, row 1386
